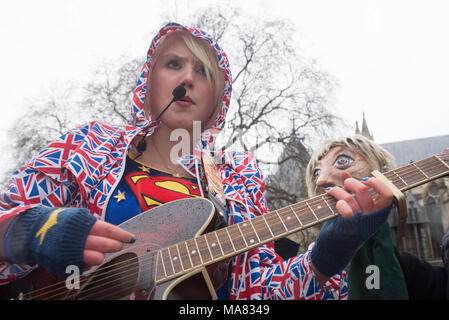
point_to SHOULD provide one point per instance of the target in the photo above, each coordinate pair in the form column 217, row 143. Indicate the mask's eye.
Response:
column 343, row 161
column 316, row 172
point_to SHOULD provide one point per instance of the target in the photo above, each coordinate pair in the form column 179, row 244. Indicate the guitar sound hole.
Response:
column 113, row 280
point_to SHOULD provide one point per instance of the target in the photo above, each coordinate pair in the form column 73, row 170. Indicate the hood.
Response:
column 143, row 123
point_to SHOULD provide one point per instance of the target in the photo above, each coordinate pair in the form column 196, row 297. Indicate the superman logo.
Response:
column 152, row 191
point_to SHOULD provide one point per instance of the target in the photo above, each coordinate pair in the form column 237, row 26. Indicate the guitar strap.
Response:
column 211, row 182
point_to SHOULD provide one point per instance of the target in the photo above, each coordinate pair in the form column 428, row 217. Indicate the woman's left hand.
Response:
column 361, row 199
column 361, row 216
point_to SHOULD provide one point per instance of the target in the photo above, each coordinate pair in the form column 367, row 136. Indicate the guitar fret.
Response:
column 238, row 226
column 425, row 175
column 441, row 160
column 180, row 257
column 203, row 249
column 168, row 272
column 208, row 246
column 294, row 212
column 255, row 231
column 171, row 261
column 198, row 251
column 306, row 217
column 268, row 226
column 313, row 212
column 174, row 256
column 213, row 246
column 237, row 238
column 230, row 238
column 188, row 255
column 193, row 252
column 327, row 204
column 283, row 224
column 287, row 218
column 436, row 167
column 248, row 232
column 322, row 209
column 261, row 229
column 160, row 260
column 225, row 241
column 219, row 243
column 400, row 178
column 276, row 227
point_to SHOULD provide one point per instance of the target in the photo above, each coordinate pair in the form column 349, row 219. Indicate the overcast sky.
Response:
column 391, row 58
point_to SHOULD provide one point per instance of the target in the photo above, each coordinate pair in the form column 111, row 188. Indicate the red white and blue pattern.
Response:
column 82, row 167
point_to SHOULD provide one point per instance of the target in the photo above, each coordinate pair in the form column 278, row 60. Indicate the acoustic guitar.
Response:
column 179, row 255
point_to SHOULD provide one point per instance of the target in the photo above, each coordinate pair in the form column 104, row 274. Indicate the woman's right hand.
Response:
column 103, row 238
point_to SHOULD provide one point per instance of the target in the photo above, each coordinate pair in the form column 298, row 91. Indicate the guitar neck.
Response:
column 224, row 243
column 418, row 173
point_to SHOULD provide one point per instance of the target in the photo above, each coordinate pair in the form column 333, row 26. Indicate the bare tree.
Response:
column 107, row 97
column 43, row 121
column 278, row 95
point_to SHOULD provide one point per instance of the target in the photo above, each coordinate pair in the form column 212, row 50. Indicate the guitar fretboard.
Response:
column 227, row 242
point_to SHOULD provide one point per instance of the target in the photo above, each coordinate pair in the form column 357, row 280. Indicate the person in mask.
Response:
column 63, row 207
column 401, row 275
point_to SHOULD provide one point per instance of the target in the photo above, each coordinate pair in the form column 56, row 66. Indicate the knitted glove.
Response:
column 52, row 238
column 340, row 238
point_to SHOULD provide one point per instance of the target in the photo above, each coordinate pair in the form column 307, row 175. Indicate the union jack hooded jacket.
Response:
column 82, row 168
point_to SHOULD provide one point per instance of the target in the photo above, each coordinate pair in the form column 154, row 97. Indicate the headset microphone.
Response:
column 177, row 93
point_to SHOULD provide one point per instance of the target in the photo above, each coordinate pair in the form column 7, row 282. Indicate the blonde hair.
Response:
column 371, row 151
column 206, row 55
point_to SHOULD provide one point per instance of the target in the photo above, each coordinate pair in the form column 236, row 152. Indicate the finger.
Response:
column 342, row 195
column 344, row 209
column 344, row 175
column 362, row 194
column 107, row 230
column 102, row 244
column 384, row 194
column 92, row 258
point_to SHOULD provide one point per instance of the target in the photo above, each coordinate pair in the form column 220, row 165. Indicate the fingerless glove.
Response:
column 51, row 237
column 340, row 238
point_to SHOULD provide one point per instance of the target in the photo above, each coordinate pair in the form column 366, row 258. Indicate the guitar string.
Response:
column 412, row 168
column 285, row 208
column 110, row 266
column 85, row 293
column 426, row 163
column 430, row 169
column 102, row 279
column 182, row 256
column 397, row 171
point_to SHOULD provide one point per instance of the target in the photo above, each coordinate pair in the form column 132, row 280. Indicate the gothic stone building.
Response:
column 427, row 205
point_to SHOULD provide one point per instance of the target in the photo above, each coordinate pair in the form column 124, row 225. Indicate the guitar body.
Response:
column 155, row 229
column 130, row 273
